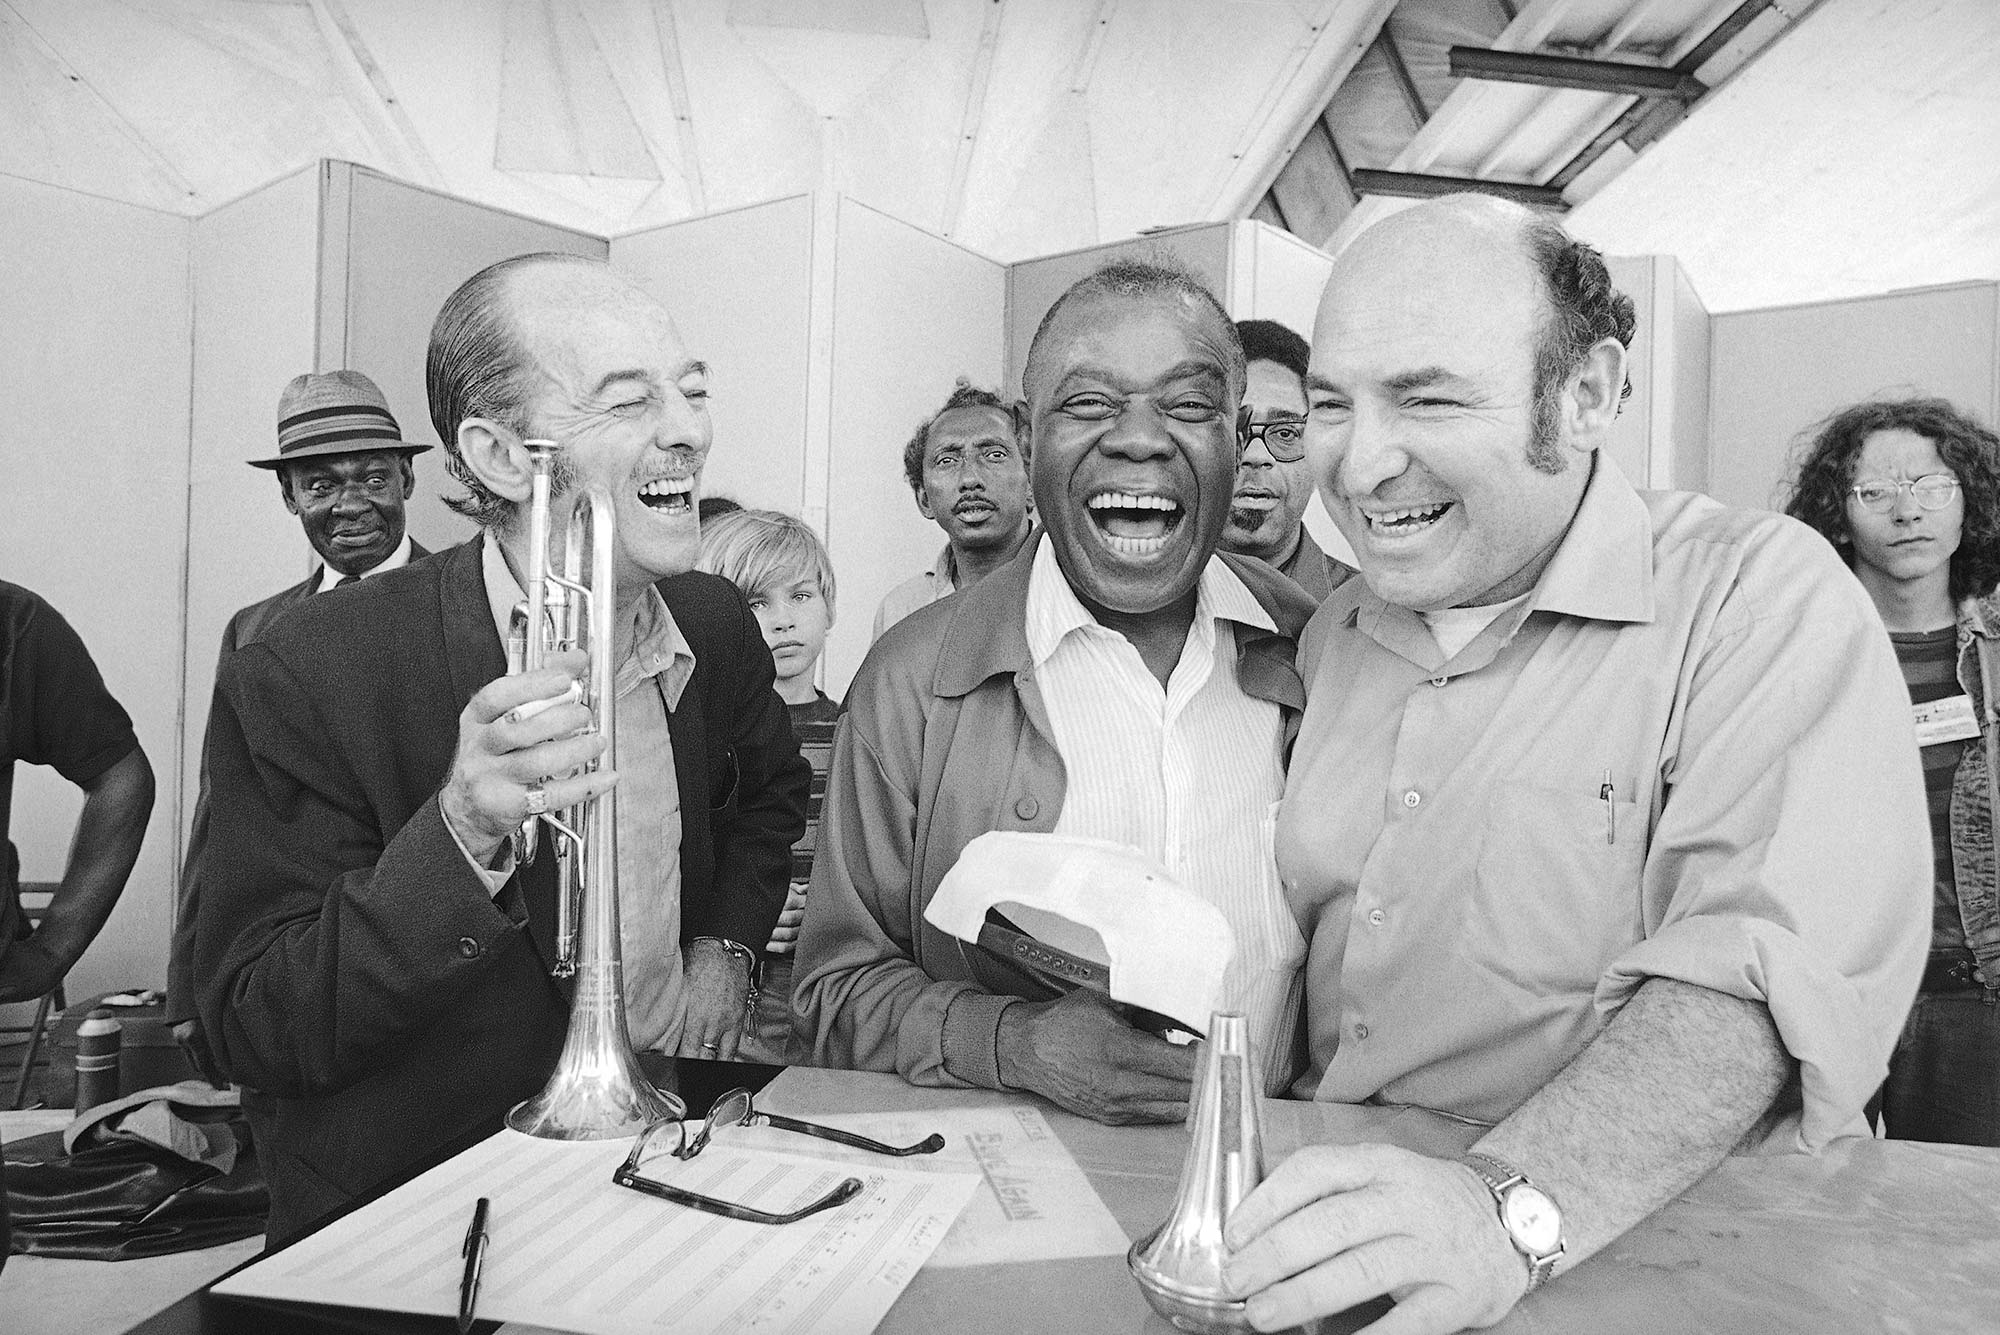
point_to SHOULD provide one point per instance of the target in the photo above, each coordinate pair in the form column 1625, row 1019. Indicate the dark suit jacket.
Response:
column 248, row 623
column 356, row 972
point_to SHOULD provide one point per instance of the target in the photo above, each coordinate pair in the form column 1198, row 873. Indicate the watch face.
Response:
column 1532, row 1219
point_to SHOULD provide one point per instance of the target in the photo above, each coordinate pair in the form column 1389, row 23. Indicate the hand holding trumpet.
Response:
column 506, row 754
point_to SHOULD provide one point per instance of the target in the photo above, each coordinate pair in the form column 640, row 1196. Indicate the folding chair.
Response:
column 35, row 899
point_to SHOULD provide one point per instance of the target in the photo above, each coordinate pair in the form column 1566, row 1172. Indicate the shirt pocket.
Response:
column 1556, row 893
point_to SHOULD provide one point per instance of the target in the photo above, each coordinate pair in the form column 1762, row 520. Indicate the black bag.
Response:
column 112, row 1198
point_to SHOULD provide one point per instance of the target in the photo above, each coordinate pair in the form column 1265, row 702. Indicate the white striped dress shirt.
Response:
column 1190, row 774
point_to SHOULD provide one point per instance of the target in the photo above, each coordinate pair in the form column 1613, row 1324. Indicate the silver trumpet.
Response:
column 597, row 1091
column 1179, row 1264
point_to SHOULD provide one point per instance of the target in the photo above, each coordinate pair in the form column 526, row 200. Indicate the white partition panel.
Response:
column 390, row 255
column 912, row 313
column 1276, row 276
column 739, row 285
column 1034, row 285
column 255, row 293
column 94, row 373
column 1774, row 373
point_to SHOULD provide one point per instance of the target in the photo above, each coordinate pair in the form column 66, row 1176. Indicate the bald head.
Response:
column 1449, row 398
column 481, row 364
column 1469, row 250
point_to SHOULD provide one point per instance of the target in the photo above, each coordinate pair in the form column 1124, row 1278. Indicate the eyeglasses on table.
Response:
column 663, row 1138
column 736, row 1108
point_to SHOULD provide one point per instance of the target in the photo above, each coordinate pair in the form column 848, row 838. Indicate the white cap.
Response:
column 1101, row 914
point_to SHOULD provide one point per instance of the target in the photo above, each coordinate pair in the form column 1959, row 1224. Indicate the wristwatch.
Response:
column 1529, row 1214
column 752, row 966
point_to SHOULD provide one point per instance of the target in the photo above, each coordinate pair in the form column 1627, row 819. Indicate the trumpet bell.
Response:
column 1179, row 1264
column 597, row 1091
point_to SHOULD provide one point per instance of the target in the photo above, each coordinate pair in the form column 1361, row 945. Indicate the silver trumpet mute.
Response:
column 1179, row 1264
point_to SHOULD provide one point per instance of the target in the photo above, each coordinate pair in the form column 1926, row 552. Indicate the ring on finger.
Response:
column 538, row 800
column 711, row 1047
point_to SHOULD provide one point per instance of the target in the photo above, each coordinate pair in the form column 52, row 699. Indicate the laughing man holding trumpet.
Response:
column 377, row 962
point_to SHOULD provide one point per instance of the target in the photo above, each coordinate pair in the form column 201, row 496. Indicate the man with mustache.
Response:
column 1605, row 821
column 1119, row 679
column 1274, row 481
column 969, row 473
column 373, row 963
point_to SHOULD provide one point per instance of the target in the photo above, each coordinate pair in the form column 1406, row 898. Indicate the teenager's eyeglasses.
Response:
column 663, row 1138
column 736, row 1109
column 1285, row 438
column 1933, row 492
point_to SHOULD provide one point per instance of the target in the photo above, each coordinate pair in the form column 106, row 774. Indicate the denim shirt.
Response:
column 1972, row 853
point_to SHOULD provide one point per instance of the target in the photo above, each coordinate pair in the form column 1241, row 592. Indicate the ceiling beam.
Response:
column 1424, row 185
column 179, row 193
column 1412, row 96
column 975, row 112
column 675, row 68
column 1591, row 76
column 1638, row 124
column 372, row 96
column 1336, row 39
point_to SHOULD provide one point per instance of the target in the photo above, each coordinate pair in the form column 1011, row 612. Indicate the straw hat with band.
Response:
column 334, row 412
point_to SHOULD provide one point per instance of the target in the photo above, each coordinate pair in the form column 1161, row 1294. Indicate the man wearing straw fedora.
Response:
column 344, row 469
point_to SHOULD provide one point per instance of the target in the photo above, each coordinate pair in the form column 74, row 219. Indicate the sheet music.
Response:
column 1033, row 1202
column 571, row 1251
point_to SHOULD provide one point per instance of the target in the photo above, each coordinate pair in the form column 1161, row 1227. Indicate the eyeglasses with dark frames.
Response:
column 736, row 1108
column 1933, row 491
column 653, row 1141
column 1284, row 437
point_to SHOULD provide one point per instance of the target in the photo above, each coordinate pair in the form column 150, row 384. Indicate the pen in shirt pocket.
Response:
column 1609, row 796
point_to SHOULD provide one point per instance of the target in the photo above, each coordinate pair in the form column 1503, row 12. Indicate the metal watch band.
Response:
column 752, row 966
column 1501, row 1177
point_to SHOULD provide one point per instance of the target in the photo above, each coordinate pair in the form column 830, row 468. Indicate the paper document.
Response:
column 1033, row 1202
column 572, row 1251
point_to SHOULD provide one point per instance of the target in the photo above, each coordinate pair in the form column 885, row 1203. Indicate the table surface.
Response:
column 1867, row 1236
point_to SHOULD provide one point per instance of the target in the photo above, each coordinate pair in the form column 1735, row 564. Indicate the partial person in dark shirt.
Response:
column 1274, row 480
column 55, row 711
column 783, row 570
column 1908, row 491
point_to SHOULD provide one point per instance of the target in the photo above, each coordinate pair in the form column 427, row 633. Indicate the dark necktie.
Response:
column 345, row 580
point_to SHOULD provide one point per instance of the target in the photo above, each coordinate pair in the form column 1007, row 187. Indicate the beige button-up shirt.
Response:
column 649, row 681
column 1688, row 755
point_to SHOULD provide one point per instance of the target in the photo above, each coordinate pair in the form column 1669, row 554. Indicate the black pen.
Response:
column 474, row 1252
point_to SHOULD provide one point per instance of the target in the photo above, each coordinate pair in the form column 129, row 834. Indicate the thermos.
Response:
column 97, row 1043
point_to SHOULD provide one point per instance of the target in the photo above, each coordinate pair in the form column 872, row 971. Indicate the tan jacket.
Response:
column 946, row 737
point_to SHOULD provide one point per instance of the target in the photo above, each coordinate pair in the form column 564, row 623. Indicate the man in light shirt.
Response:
column 1119, row 679
column 373, row 965
column 967, row 467
column 1604, row 823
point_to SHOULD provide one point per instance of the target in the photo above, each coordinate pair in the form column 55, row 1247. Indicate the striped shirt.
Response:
column 1190, row 774
column 813, row 723
column 1929, row 660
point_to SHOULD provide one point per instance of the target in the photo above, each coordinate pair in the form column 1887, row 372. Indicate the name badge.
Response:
column 1946, row 720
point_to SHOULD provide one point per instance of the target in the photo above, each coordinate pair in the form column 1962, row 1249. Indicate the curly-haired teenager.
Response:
column 1908, row 490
